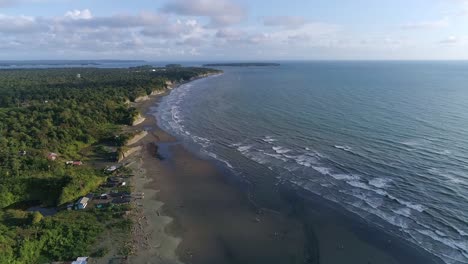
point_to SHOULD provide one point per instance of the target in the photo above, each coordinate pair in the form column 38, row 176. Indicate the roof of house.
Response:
column 81, row 260
column 83, row 200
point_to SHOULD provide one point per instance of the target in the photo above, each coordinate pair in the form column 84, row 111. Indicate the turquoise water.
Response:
column 386, row 140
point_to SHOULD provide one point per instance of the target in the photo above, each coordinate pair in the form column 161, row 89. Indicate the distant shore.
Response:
column 242, row 64
column 195, row 212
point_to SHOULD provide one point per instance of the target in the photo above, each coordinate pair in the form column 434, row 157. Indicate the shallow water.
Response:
column 386, row 140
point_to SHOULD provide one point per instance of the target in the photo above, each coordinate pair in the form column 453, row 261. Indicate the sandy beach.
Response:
column 194, row 212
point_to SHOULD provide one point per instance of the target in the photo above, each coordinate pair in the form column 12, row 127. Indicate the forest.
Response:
column 65, row 112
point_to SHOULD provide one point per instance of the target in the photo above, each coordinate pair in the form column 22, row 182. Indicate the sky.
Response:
column 220, row 30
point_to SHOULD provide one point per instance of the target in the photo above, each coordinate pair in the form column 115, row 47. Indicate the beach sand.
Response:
column 193, row 212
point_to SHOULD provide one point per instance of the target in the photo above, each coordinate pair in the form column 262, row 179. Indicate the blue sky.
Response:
column 234, row 29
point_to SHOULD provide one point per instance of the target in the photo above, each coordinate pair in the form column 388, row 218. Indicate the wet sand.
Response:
column 194, row 212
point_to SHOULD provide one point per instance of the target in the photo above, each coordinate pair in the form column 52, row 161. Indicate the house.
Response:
column 77, row 163
column 52, row 156
column 82, row 203
column 111, row 168
column 81, row 260
column 104, row 196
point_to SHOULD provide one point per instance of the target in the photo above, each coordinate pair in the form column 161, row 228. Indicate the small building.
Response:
column 81, row 260
column 104, row 196
column 52, row 156
column 82, row 203
column 111, row 168
column 77, row 163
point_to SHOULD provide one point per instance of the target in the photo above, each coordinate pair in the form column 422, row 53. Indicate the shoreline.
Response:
column 186, row 233
column 149, row 238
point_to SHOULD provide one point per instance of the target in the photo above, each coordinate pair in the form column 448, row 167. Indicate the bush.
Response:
column 36, row 217
column 100, row 252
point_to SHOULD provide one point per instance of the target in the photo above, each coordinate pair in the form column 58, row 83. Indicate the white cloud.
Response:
column 436, row 24
column 208, row 30
column 220, row 12
column 450, row 40
column 309, row 34
column 19, row 24
column 14, row 3
column 79, row 14
column 284, row 21
column 82, row 33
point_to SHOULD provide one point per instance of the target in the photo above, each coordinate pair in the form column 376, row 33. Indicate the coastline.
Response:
column 165, row 216
column 193, row 214
column 151, row 243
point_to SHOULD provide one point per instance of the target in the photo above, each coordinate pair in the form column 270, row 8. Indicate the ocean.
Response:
column 388, row 141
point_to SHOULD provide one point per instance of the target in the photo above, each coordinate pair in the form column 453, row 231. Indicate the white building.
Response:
column 82, row 203
column 81, row 260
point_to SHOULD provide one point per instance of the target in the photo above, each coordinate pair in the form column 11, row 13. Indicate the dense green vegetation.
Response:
column 67, row 112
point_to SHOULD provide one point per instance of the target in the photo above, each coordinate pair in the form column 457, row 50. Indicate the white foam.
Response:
column 359, row 184
column 269, row 139
column 380, row 182
column 322, row 170
column 202, row 141
column 355, row 182
column 373, row 202
column 304, row 160
column 235, row 145
column 395, row 220
column 455, row 244
column 418, row 207
column 281, row 150
column 276, row 156
column 259, row 158
column 452, row 176
column 343, row 177
column 461, row 232
column 213, row 155
column 405, row 211
column 440, row 233
column 243, row 149
column 345, row 148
